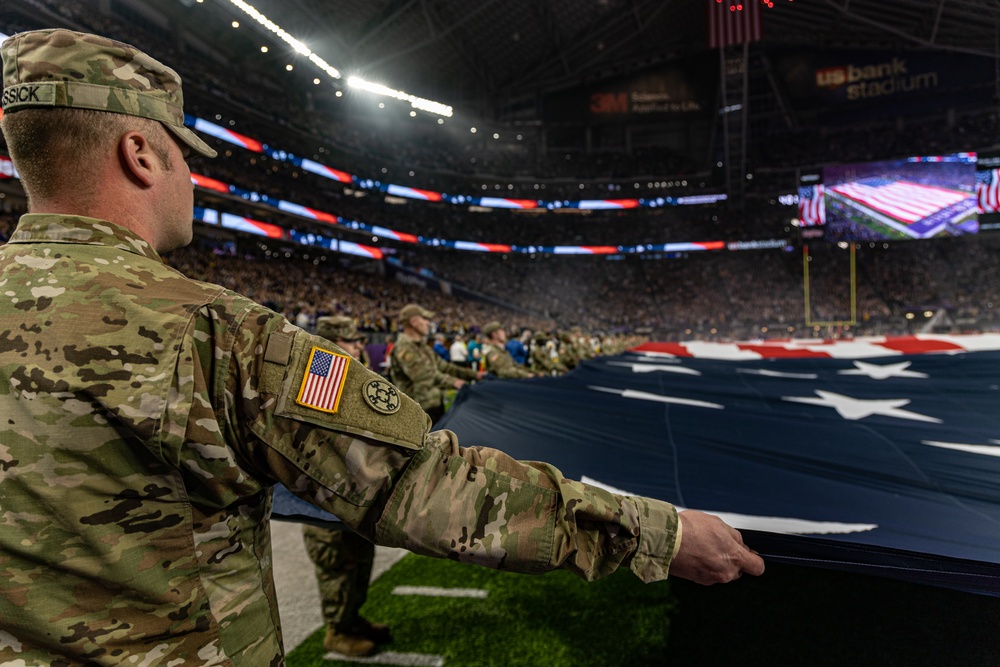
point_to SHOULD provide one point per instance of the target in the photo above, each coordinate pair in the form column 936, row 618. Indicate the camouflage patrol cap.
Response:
column 412, row 309
column 338, row 328
column 541, row 335
column 490, row 328
column 62, row 68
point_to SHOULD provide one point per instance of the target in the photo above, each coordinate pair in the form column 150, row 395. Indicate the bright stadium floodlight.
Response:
column 418, row 103
column 296, row 45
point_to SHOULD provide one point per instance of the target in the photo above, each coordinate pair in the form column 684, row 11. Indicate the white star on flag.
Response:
column 777, row 374
column 877, row 372
column 646, row 396
column 772, row 524
column 655, row 368
column 984, row 450
column 859, row 408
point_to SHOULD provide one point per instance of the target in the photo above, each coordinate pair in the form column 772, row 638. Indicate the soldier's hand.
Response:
column 480, row 375
column 712, row 552
column 458, row 383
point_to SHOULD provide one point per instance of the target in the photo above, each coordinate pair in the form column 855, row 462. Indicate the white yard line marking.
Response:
column 390, row 658
column 436, row 592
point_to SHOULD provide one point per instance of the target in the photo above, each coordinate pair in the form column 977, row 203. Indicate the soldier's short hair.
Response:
column 49, row 144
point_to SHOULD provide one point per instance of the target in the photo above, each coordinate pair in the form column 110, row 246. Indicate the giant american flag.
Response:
column 876, row 455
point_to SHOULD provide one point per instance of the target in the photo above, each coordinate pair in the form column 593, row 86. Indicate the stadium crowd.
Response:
column 723, row 294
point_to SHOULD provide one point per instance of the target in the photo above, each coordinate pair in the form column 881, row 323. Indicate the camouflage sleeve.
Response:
column 423, row 370
column 372, row 462
column 480, row 506
column 502, row 365
column 455, row 371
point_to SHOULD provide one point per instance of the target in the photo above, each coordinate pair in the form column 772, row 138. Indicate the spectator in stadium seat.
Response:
column 147, row 415
column 459, row 353
column 440, row 349
column 476, row 351
column 417, row 371
column 517, row 349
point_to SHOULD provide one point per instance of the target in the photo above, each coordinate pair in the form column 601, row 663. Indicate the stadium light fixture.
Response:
column 280, row 32
column 419, row 103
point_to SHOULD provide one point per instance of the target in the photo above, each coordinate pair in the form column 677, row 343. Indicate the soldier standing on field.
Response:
column 497, row 358
column 417, row 371
column 567, row 351
column 541, row 360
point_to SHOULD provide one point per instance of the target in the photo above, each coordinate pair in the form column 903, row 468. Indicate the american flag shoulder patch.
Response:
column 323, row 381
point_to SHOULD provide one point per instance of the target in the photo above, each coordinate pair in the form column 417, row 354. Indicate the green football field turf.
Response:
column 555, row 619
column 790, row 617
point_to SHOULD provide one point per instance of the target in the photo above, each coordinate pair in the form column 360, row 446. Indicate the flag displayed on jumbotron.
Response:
column 324, row 380
column 988, row 190
column 733, row 22
column 812, row 211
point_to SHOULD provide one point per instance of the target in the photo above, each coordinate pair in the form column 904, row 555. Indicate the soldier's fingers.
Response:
column 751, row 563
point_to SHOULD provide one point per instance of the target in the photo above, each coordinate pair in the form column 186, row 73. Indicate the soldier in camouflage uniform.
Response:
column 567, row 351
column 581, row 344
column 541, row 359
column 147, row 416
column 417, row 370
column 343, row 559
column 497, row 358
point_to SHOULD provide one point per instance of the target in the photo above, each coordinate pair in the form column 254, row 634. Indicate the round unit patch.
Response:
column 381, row 396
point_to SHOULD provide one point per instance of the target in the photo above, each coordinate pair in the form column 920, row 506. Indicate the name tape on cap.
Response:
column 29, row 94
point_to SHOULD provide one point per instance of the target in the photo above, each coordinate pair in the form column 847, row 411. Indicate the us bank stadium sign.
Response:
column 891, row 82
column 886, row 78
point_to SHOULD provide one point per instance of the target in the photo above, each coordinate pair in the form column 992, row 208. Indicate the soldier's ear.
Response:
column 138, row 159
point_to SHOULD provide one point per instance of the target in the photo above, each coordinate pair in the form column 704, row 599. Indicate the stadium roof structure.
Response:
column 485, row 56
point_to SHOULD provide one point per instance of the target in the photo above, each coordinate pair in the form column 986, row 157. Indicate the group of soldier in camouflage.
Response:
column 147, row 416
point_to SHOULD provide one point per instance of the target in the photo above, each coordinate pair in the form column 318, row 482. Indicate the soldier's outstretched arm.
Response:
column 364, row 454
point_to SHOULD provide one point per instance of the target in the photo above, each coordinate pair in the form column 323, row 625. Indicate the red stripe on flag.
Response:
column 676, row 349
